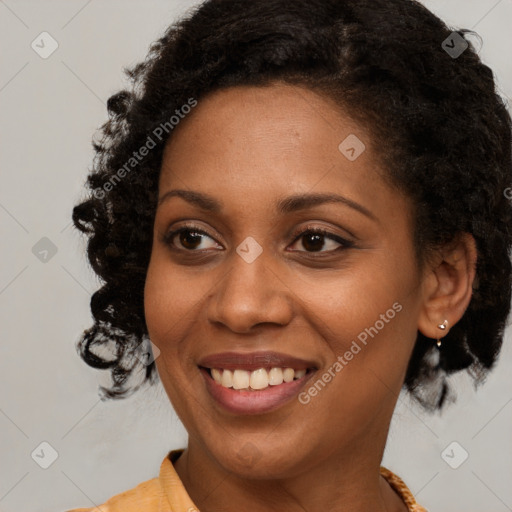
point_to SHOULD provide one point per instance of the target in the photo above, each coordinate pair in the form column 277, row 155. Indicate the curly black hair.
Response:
column 438, row 124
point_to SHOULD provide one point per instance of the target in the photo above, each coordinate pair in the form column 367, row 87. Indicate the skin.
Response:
column 248, row 147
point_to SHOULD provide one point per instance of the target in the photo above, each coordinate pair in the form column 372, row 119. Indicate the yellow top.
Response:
column 166, row 493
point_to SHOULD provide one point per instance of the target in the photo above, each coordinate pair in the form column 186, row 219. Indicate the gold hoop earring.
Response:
column 442, row 327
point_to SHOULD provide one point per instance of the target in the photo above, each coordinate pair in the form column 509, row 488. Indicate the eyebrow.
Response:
column 285, row 205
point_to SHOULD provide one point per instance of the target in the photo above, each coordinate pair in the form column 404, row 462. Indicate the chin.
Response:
column 259, row 461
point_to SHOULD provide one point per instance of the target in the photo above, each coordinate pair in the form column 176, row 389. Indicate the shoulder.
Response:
column 146, row 496
column 402, row 490
column 163, row 493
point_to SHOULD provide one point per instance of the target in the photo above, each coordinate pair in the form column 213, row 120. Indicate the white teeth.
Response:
column 258, row 379
column 240, row 379
column 300, row 373
column 275, row 376
column 217, row 375
column 227, row 379
column 288, row 374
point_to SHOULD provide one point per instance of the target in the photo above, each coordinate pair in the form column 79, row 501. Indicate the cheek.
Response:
column 156, row 301
column 166, row 304
column 164, row 313
column 169, row 298
column 342, row 307
column 173, row 303
column 359, row 386
column 367, row 317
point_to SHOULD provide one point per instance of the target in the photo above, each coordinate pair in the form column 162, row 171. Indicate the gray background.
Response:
column 50, row 109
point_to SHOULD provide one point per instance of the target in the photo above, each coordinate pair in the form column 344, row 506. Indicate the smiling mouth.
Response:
column 256, row 380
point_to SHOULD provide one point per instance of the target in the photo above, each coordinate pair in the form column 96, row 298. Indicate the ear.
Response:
column 448, row 286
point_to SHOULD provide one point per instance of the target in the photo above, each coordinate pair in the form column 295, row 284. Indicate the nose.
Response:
column 250, row 294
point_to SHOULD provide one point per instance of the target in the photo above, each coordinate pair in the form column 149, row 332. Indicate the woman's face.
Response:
column 256, row 288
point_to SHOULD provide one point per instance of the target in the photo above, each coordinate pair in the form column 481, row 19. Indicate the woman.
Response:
column 303, row 207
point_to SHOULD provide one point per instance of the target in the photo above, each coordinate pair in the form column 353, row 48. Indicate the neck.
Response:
column 342, row 481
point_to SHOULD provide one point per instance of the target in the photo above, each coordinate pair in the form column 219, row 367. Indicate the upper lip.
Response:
column 254, row 360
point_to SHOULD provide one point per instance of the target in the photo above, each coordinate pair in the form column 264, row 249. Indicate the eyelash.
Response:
column 345, row 244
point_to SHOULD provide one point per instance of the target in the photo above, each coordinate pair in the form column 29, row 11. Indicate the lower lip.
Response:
column 254, row 402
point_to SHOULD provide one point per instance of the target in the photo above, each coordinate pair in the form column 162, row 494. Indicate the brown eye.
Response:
column 189, row 238
column 315, row 239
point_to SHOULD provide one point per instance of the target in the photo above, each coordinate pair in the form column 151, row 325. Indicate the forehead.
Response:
column 272, row 140
column 300, row 118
